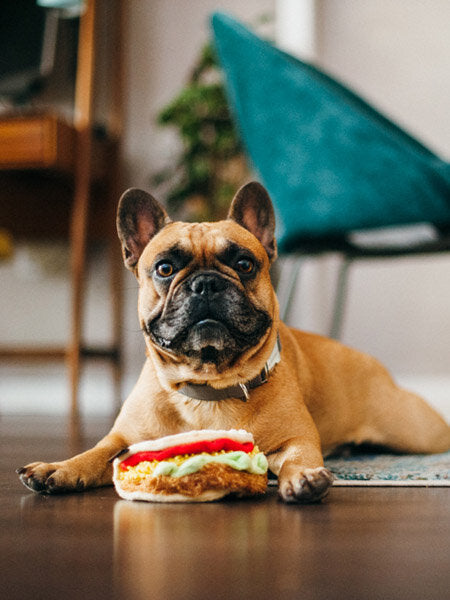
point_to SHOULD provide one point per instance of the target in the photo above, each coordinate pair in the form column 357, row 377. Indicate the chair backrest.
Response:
column 330, row 161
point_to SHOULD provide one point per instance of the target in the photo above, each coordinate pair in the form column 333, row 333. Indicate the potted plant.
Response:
column 211, row 166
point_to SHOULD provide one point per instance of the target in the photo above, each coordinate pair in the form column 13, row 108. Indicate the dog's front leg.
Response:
column 89, row 469
column 301, row 474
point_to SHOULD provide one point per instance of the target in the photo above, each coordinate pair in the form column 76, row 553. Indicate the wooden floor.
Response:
column 360, row 543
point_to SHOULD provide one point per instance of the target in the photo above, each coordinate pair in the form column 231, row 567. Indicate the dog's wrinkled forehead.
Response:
column 144, row 225
column 202, row 241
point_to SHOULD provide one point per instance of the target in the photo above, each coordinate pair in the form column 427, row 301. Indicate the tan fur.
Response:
column 320, row 396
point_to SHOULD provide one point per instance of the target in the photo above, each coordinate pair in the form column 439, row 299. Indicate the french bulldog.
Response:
column 218, row 357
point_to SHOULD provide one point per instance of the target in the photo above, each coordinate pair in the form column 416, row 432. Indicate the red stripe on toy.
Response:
column 193, row 448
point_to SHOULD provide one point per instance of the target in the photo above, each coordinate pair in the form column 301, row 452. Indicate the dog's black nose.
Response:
column 206, row 284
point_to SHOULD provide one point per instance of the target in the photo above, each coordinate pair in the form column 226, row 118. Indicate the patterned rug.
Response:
column 391, row 469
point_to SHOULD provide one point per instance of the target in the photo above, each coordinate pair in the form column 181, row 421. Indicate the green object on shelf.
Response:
column 211, row 165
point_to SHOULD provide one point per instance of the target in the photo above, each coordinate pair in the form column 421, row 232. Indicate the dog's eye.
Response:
column 165, row 269
column 245, row 266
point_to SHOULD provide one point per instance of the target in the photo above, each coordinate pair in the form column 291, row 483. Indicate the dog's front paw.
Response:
column 53, row 478
column 305, row 486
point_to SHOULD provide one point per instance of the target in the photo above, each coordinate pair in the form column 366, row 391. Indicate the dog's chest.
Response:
column 205, row 414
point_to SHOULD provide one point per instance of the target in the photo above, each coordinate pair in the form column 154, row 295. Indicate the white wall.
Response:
column 164, row 41
column 396, row 54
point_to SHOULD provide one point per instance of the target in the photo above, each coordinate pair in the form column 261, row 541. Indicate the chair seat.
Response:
column 354, row 247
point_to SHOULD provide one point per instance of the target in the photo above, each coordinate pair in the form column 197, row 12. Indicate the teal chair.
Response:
column 332, row 164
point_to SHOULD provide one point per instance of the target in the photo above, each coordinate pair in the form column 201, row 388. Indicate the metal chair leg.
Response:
column 340, row 298
column 286, row 296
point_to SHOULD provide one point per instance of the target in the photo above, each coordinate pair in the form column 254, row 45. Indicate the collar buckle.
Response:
column 265, row 373
column 245, row 391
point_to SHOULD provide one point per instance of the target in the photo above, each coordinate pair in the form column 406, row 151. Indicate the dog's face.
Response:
column 205, row 295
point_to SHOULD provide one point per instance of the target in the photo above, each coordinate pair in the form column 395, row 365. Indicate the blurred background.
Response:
column 395, row 54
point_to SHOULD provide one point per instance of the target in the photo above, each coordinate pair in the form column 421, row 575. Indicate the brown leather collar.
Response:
column 241, row 390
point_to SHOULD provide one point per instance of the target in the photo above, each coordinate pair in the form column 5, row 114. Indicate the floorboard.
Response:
column 359, row 543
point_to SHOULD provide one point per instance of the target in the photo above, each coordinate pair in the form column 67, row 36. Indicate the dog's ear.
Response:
column 252, row 208
column 139, row 218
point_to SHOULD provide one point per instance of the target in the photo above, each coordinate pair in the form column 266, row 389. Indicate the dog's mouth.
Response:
column 206, row 341
column 207, row 329
column 208, row 336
